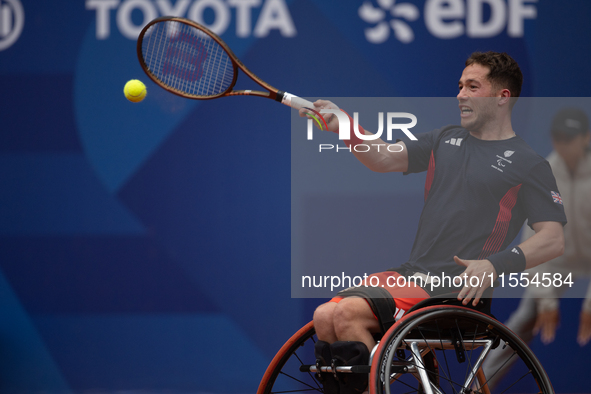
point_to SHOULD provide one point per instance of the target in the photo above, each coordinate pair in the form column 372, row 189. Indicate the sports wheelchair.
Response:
column 438, row 347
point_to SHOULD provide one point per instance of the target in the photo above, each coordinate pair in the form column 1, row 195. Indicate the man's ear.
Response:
column 504, row 96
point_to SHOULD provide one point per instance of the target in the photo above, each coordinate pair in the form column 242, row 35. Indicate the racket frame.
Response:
column 271, row 93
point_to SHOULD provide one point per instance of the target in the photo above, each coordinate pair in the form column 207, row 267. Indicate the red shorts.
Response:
column 389, row 295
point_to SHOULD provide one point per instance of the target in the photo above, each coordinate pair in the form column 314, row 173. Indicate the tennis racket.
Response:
column 191, row 61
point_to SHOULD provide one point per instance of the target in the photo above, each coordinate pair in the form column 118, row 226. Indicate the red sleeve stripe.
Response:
column 497, row 237
column 430, row 174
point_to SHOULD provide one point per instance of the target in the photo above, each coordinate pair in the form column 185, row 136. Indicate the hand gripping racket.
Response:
column 189, row 60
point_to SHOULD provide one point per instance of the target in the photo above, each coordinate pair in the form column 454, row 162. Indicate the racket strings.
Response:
column 187, row 59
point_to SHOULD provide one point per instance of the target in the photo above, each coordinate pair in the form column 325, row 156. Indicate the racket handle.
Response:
column 292, row 101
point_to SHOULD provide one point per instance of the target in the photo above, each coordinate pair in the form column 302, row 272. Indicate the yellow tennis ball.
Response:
column 135, row 91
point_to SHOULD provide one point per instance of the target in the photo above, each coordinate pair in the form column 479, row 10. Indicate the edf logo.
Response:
column 446, row 19
column 12, row 20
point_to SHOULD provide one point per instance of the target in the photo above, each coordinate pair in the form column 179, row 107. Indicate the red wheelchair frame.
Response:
column 433, row 349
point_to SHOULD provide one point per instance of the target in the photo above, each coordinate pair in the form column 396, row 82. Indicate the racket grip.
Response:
column 292, row 101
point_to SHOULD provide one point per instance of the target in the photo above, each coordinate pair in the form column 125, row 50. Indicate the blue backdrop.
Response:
column 146, row 246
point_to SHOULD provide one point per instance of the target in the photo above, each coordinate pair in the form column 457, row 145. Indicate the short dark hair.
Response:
column 504, row 72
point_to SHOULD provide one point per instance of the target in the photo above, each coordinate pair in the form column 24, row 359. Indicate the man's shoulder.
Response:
column 526, row 157
column 450, row 131
column 533, row 157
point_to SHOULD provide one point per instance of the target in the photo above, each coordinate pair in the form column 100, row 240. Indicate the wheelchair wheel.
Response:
column 283, row 374
column 437, row 350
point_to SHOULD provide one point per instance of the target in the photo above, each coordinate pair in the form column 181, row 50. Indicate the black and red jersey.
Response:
column 478, row 193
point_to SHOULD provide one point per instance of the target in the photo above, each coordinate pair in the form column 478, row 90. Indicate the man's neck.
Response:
column 494, row 131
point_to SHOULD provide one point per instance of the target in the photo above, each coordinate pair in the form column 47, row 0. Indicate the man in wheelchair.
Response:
column 483, row 182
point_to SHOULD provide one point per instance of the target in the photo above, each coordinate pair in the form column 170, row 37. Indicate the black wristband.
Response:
column 508, row 261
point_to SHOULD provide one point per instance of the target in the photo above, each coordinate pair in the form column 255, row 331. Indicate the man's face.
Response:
column 572, row 149
column 475, row 110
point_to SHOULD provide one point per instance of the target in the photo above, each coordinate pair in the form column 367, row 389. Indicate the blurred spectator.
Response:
column 538, row 311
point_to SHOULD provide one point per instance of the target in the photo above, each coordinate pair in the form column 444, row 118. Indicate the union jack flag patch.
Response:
column 556, row 197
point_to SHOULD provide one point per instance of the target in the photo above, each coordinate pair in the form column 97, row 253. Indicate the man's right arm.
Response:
column 384, row 157
column 381, row 156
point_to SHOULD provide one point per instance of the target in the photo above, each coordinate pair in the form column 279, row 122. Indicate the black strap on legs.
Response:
column 380, row 301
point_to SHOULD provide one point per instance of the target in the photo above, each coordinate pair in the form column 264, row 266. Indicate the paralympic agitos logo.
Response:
column 345, row 130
